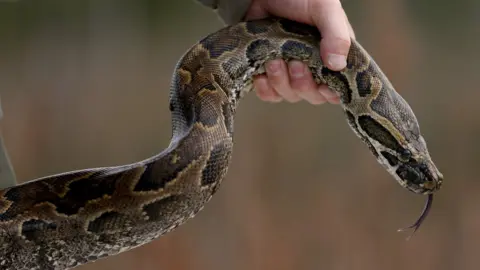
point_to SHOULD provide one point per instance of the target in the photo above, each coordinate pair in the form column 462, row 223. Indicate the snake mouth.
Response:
column 433, row 185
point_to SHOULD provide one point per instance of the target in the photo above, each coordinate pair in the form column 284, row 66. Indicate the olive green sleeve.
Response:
column 7, row 174
column 230, row 11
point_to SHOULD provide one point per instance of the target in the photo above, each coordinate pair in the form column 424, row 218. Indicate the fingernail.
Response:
column 337, row 61
column 273, row 67
column 296, row 69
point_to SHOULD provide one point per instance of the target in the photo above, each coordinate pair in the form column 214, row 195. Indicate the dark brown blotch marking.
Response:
column 155, row 176
column 35, row 230
column 338, row 81
column 216, row 164
column 82, row 191
column 357, row 58
column 220, row 43
column 392, row 160
column 292, row 49
column 258, row 50
column 79, row 192
column 378, row 132
column 354, row 126
column 24, row 197
column 108, row 222
column 301, row 29
column 258, row 27
column 364, row 84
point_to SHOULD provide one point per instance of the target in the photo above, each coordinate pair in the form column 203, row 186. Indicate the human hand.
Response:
column 294, row 82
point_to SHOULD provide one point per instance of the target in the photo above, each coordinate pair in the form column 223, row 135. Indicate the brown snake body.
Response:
column 65, row 220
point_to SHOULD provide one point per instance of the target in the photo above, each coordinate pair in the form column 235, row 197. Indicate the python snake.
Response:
column 69, row 219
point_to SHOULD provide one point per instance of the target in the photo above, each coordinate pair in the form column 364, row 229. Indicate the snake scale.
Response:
column 69, row 219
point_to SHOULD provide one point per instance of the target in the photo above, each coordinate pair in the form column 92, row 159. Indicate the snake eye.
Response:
column 405, row 155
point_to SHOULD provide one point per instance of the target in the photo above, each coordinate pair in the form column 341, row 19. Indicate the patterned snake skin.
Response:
column 66, row 220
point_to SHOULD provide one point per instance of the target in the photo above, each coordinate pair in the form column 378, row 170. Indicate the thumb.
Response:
column 331, row 20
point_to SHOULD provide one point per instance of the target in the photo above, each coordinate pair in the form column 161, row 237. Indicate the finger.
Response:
column 302, row 83
column 329, row 95
column 264, row 91
column 279, row 80
column 330, row 18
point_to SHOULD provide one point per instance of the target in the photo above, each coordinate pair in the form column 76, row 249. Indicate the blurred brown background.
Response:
column 85, row 84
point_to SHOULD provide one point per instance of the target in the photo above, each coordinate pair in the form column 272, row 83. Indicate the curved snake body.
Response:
column 65, row 220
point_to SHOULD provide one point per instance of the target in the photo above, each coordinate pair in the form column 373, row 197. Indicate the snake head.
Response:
column 413, row 168
column 394, row 133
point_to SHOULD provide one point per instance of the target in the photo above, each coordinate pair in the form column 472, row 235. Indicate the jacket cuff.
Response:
column 230, row 11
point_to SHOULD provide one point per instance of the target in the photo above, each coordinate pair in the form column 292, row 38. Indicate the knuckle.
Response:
column 275, row 69
column 340, row 43
column 344, row 42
